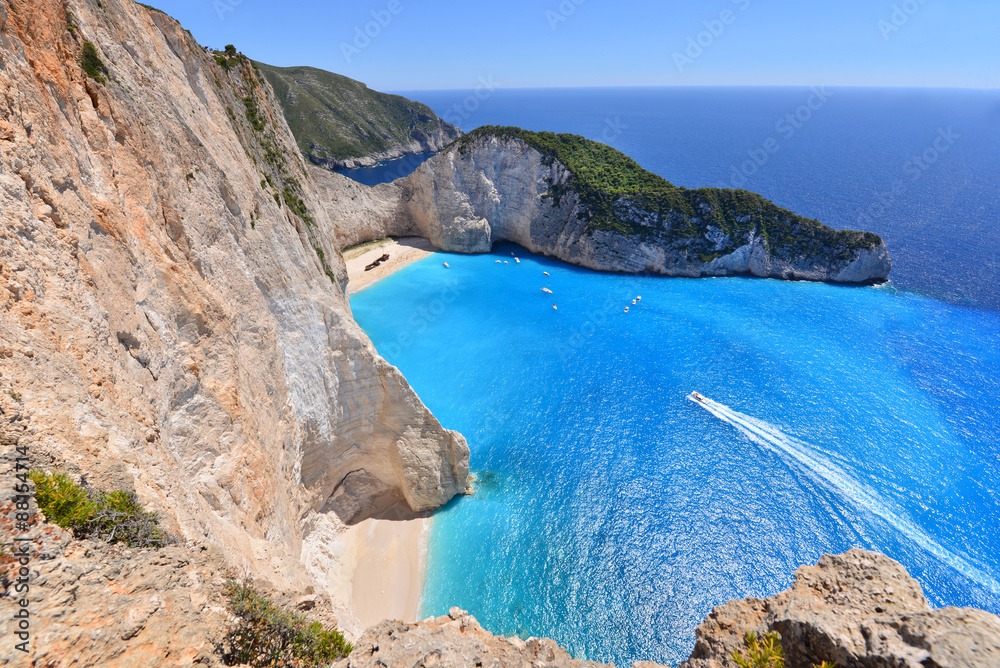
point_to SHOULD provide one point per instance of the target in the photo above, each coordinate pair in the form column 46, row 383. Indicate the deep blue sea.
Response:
column 612, row 512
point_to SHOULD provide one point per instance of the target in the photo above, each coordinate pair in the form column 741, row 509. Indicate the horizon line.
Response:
column 812, row 85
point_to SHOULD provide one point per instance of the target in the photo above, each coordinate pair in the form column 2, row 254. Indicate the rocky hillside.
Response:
column 588, row 204
column 339, row 122
column 173, row 318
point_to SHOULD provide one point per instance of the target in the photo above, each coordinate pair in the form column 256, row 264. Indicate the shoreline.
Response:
column 384, row 558
column 402, row 251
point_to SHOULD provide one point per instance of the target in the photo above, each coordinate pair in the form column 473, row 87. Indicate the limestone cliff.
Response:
column 172, row 310
column 609, row 214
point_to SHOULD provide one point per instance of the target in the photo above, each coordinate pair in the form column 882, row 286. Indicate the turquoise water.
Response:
column 612, row 512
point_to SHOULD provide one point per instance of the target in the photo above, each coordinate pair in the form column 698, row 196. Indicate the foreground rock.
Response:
column 858, row 609
column 455, row 640
column 855, row 609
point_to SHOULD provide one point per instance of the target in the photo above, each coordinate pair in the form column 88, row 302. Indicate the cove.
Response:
column 611, row 512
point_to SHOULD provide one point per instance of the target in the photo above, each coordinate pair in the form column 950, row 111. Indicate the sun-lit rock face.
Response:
column 492, row 185
column 172, row 306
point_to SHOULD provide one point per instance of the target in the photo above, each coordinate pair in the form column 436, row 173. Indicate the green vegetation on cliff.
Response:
column 617, row 191
column 334, row 118
column 115, row 517
column 265, row 634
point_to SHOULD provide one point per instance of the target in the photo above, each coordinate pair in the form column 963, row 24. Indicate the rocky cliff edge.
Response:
column 173, row 318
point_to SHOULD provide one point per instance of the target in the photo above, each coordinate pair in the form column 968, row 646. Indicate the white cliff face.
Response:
column 171, row 327
column 493, row 189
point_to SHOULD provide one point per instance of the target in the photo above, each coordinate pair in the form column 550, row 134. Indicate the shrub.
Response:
column 114, row 517
column 256, row 119
column 296, row 205
column 120, row 519
column 63, row 501
column 92, row 63
column 230, row 51
column 766, row 653
column 267, row 635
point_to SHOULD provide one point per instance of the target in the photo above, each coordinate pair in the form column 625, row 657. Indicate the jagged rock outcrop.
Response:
column 173, row 318
column 361, row 213
column 455, row 640
column 858, row 609
column 494, row 185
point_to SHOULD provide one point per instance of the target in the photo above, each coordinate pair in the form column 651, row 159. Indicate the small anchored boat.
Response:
column 446, row 265
column 547, row 290
column 546, row 273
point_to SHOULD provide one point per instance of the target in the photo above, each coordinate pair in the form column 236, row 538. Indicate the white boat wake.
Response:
column 821, row 469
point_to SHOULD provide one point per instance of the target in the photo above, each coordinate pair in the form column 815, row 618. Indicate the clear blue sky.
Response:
column 441, row 44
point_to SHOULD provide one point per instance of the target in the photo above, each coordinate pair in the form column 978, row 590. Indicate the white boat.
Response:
column 547, row 290
column 697, row 397
column 546, row 273
column 518, row 260
column 446, row 265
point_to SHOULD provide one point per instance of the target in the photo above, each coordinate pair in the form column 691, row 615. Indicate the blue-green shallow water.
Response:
column 613, row 513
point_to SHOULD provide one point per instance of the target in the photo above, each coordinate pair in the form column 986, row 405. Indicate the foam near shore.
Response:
column 402, row 252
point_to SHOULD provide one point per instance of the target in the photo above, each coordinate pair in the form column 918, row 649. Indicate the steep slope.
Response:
column 172, row 309
column 339, row 122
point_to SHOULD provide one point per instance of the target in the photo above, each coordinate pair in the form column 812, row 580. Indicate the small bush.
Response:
column 63, row 501
column 266, row 635
column 256, row 119
column 120, row 519
column 114, row 517
column 16, row 396
column 230, row 51
column 766, row 653
column 92, row 63
column 296, row 205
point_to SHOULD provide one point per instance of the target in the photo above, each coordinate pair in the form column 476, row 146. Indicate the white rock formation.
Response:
column 494, row 188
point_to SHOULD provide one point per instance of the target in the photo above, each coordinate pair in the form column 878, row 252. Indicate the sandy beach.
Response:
column 381, row 570
column 402, row 251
